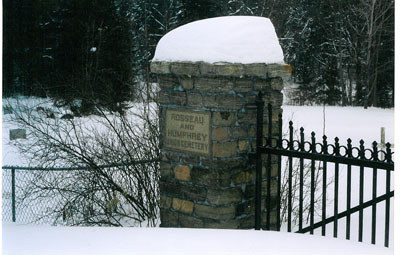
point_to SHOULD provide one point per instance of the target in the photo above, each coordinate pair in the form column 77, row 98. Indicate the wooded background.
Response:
column 341, row 51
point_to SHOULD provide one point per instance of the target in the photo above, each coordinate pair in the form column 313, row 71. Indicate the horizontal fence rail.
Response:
column 360, row 160
column 16, row 178
column 325, row 160
column 80, row 167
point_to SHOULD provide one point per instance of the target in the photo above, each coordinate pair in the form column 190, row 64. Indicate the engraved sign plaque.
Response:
column 187, row 131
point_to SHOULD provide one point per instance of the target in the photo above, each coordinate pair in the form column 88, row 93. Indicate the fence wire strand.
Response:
column 43, row 207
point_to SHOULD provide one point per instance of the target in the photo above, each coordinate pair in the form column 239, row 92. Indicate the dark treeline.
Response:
column 341, row 51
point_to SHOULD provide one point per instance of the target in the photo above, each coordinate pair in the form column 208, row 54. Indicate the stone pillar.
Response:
column 208, row 130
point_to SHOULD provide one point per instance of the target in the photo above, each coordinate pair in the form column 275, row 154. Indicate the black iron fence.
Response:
column 323, row 163
column 17, row 183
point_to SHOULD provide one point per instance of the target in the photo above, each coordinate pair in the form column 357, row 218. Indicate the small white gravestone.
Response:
column 18, row 133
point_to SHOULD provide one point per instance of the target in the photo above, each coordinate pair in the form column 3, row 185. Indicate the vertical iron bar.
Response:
column 336, row 204
column 290, row 178
column 348, row 216
column 260, row 113
column 13, row 194
column 312, row 185
column 374, row 188
column 361, row 198
column 278, row 214
column 387, row 204
column 301, row 180
column 268, row 202
column 325, row 151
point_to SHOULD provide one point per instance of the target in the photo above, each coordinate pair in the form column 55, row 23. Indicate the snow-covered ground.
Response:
column 43, row 240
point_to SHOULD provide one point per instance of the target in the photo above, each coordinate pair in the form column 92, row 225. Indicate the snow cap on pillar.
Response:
column 232, row 39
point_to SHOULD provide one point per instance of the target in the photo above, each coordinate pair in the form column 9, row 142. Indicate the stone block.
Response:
column 230, row 101
column 247, row 223
column 251, row 99
column 245, row 208
column 207, row 69
column 165, row 169
column 227, row 69
column 224, row 102
column 183, row 206
column 252, row 131
column 167, row 82
column 186, row 221
column 187, row 191
column 195, row 100
column 278, row 70
column 168, row 218
column 222, row 164
column 243, row 85
column 178, row 98
column 277, row 83
column 190, row 159
column 18, row 133
column 223, row 118
column 182, row 173
column 215, row 213
column 247, row 118
column 256, row 70
column 225, row 150
column 185, row 68
column 213, row 85
column 243, row 145
column 219, row 134
column 211, row 101
column 224, row 196
column 169, row 156
column 228, row 224
column 163, row 97
column 160, row 67
column 238, row 132
column 250, row 191
column 262, row 85
column 253, row 145
column 186, row 82
column 241, row 177
column 194, row 192
column 210, row 177
column 165, row 202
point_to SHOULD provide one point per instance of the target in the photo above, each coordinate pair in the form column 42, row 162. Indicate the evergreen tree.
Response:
column 342, row 52
column 92, row 54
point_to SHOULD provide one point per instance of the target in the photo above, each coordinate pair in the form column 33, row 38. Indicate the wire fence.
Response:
column 20, row 205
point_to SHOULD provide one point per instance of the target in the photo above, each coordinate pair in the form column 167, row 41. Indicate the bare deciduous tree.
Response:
column 115, row 155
